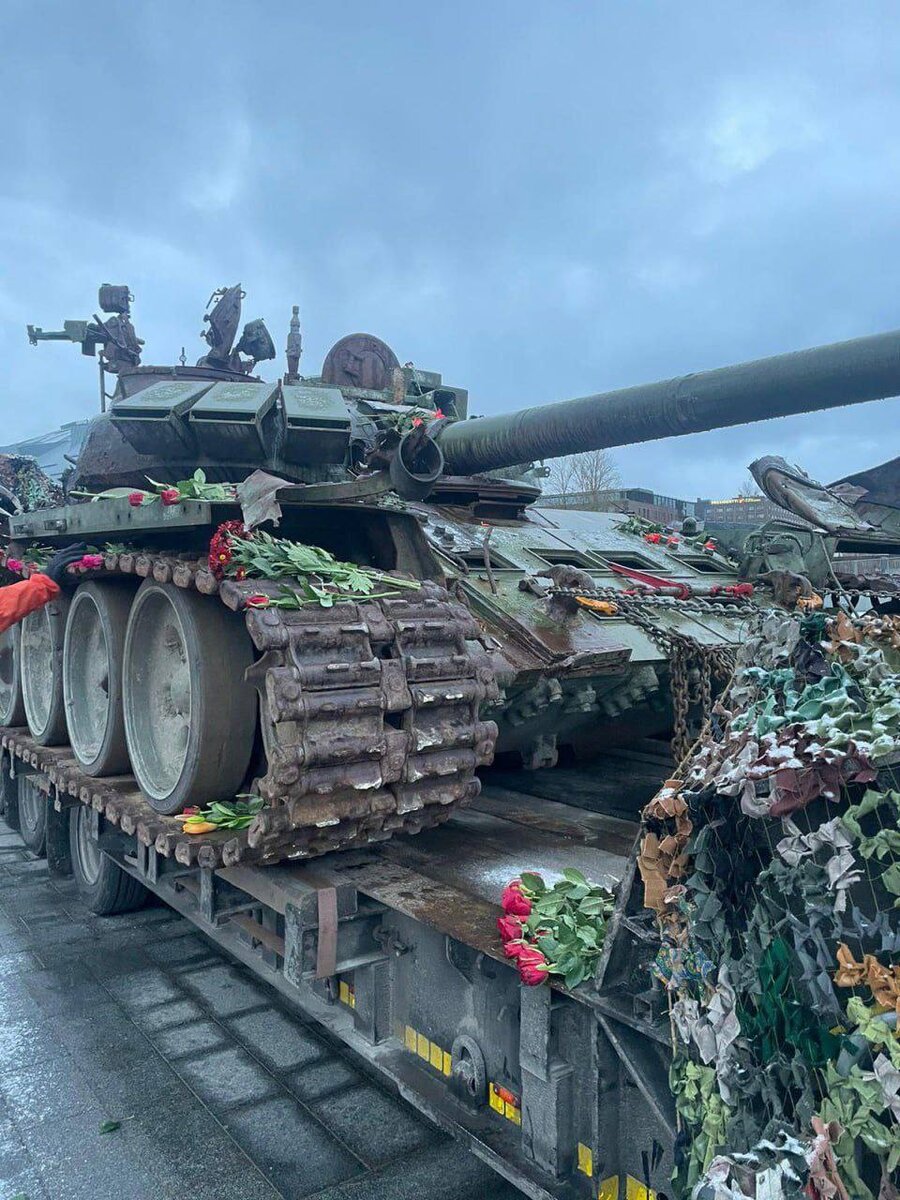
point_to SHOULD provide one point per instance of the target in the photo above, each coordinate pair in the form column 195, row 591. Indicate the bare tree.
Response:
column 562, row 478
column 595, row 472
column 749, row 489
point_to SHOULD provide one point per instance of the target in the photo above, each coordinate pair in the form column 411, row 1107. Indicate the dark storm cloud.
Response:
column 539, row 201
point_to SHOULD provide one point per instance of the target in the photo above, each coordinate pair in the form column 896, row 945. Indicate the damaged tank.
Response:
column 532, row 634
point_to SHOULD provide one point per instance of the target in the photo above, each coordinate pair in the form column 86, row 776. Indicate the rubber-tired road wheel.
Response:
column 92, row 676
column 105, row 887
column 41, row 666
column 32, row 813
column 12, row 706
column 190, row 717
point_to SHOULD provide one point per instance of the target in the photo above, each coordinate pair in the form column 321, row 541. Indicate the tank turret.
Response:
column 866, row 368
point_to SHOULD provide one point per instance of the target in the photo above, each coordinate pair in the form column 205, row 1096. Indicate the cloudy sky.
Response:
column 540, row 201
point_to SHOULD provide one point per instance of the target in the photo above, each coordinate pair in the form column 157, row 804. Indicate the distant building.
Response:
column 54, row 451
column 652, row 506
column 739, row 510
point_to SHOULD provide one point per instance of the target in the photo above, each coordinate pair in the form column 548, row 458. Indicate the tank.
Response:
column 503, row 632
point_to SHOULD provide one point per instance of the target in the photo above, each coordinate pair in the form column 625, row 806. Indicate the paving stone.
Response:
column 15, row 964
column 322, row 1078
column 443, row 1172
column 222, row 1078
column 142, row 989
column 77, row 1162
column 68, row 990
column 185, row 951
column 375, row 1125
column 14, row 1158
column 297, row 1154
column 283, row 1043
column 25, row 1037
column 27, row 1185
column 105, row 962
column 191, row 1155
column 127, row 1083
column 182, row 1040
column 166, row 1016
column 225, row 989
column 42, row 1092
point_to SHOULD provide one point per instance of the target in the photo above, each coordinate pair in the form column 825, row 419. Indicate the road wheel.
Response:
column 104, row 886
column 41, row 658
column 32, row 813
column 190, row 717
column 92, row 676
column 12, row 707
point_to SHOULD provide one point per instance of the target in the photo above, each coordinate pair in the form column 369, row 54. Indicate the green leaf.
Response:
column 109, row 1126
column 200, row 476
column 592, row 906
column 575, row 877
column 549, row 947
column 533, row 883
column 576, row 975
column 587, row 935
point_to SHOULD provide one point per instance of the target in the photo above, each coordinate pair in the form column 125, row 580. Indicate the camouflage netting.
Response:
column 773, row 865
column 23, row 477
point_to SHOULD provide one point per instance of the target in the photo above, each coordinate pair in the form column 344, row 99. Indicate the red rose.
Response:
column 532, row 966
column 15, row 565
column 653, row 538
column 710, row 545
column 91, row 562
column 257, row 601
column 514, row 948
column 510, row 928
column 170, row 496
column 437, row 415
column 417, row 421
column 136, row 499
column 514, row 901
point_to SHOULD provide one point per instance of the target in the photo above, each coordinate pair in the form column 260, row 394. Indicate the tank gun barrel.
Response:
column 866, row 368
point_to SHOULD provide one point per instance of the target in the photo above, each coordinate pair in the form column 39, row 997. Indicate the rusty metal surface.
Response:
column 360, row 361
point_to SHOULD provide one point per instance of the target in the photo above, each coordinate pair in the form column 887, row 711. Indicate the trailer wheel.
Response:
column 92, row 676
column 41, row 666
column 32, row 813
column 190, row 717
column 12, row 707
column 104, row 886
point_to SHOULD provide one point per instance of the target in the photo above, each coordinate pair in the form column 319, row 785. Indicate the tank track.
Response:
column 369, row 714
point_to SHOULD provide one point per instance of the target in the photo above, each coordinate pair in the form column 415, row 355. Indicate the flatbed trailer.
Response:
column 394, row 949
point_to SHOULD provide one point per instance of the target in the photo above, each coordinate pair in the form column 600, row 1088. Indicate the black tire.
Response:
column 190, row 716
column 103, row 885
column 32, row 813
column 41, row 660
column 12, row 707
column 92, row 676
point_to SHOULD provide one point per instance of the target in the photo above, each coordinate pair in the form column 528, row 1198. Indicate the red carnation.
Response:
column 170, row 496
column 437, row 415
column 136, row 499
column 510, row 928
column 533, row 967
column 514, row 901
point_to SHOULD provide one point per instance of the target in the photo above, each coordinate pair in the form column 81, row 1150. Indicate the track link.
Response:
column 369, row 714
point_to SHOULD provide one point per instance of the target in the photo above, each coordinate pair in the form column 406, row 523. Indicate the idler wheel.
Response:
column 190, row 717
column 12, row 706
column 92, row 676
column 41, row 658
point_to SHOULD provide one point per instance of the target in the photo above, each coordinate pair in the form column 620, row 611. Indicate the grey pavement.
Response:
column 219, row 1089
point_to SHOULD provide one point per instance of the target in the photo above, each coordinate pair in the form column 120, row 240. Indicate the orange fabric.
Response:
column 19, row 599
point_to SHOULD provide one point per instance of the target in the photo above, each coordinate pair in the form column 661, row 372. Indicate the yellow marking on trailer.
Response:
column 635, row 1190
column 344, row 992
column 409, row 1039
column 496, row 1101
column 513, row 1113
column 585, row 1159
column 423, row 1047
column 447, row 1065
column 437, row 1056
column 609, row 1188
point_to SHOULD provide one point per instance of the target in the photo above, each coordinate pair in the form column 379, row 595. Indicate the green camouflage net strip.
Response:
column 773, row 865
